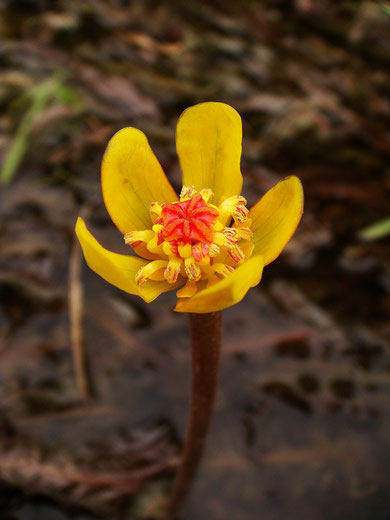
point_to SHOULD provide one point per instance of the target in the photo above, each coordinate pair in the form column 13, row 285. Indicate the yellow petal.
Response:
column 208, row 143
column 132, row 179
column 275, row 218
column 118, row 270
column 226, row 292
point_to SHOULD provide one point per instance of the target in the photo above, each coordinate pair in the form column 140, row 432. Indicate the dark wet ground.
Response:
column 302, row 423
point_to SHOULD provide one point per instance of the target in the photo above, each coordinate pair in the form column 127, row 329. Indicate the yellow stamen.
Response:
column 244, row 233
column 205, row 261
column 234, row 207
column 149, row 269
column 157, row 228
column 231, row 202
column 138, row 236
column 172, row 271
column 214, row 250
column 230, row 234
column 185, row 243
column 219, row 239
column 207, row 194
column 192, row 269
column 155, row 211
column 167, row 248
column 235, row 252
column 223, row 269
column 187, row 192
column 185, row 250
column 153, row 245
column 240, row 214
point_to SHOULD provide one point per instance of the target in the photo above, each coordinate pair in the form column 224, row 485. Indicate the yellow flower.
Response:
column 205, row 241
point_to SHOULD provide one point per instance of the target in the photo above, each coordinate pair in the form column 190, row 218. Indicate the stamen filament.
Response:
column 155, row 211
column 187, row 192
column 185, row 250
column 134, row 237
column 147, row 270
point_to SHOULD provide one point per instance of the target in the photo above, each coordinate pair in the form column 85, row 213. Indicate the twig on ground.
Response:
column 76, row 308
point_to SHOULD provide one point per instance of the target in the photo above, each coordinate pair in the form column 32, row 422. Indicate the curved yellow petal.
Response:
column 275, row 218
column 227, row 292
column 118, row 270
column 208, row 143
column 132, row 179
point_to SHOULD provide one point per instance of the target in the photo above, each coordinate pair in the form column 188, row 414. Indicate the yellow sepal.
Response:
column 275, row 218
column 208, row 143
column 132, row 179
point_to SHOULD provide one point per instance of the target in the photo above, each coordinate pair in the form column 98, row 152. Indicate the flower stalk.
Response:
column 205, row 331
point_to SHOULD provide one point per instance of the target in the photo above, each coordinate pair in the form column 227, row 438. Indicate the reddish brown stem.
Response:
column 205, row 330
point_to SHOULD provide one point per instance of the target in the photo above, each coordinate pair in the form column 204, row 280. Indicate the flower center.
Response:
column 189, row 238
column 188, row 221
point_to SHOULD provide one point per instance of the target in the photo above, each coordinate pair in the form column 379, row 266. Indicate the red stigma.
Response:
column 188, row 221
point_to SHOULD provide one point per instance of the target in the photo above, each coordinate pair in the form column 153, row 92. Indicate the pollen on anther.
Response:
column 192, row 270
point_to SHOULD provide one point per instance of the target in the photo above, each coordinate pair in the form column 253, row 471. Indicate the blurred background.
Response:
column 302, row 422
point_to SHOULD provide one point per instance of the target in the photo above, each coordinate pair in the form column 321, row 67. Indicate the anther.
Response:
column 148, row 270
column 223, row 269
column 172, row 272
column 235, row 207
column 230, row 234
column 187, row 192
column 155, row 211
column 192, row 269
column 235, row 251
column 214, row 250
column 134, row 238
column 207, row 194
column 200, row 251
column 240, row 214
column 244, row 233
